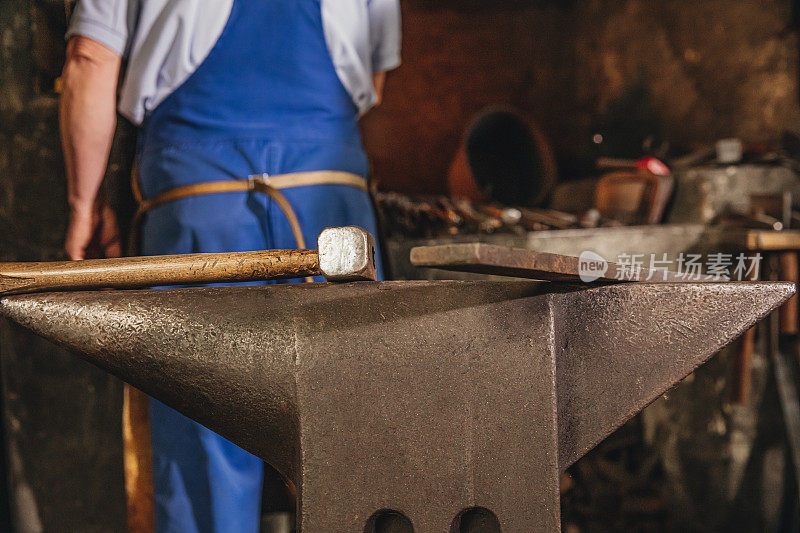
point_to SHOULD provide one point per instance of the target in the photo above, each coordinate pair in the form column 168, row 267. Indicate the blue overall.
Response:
column 266, row 100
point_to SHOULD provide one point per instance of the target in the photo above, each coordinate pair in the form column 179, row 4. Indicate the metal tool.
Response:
column 343, row 254
column 430, row 404
column 483, row 258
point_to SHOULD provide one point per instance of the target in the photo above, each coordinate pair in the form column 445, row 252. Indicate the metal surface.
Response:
column 344, row 254
column 703, row 193
column 623, row 350
column 480, row 258
column 606, row 242
column 424, row 397
column 347, row 254
column 609, row 243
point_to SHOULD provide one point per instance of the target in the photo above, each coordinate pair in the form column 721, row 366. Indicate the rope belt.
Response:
column 269, row 185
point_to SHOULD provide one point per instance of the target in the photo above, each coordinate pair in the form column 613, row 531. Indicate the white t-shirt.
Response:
column 164, row 41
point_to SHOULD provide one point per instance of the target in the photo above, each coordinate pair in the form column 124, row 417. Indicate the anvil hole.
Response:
column 388, row 521
column 475, row 520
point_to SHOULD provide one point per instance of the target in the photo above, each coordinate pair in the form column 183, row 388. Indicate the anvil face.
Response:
column 424, row 397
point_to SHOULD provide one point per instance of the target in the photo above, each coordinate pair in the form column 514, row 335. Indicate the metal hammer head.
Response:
column 347, row 254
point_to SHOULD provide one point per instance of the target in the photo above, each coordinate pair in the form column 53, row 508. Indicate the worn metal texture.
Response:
column 347, row 254
column 620, row 349
column 702, row 194
column 481, row 258
column 609, row 243
column 367, row 396
column 612, row 244
column 423, row 397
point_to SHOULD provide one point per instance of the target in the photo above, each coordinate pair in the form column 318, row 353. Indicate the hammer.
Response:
column 343, row 254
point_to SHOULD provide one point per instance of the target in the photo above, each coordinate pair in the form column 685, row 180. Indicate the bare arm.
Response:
column 379, row 81
column 384, row 37
column 88, row 119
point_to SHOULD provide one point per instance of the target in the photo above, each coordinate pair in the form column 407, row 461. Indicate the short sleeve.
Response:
column 385, row 33
column 109, row 22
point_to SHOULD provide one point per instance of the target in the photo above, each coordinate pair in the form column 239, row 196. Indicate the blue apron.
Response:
column 266, row 100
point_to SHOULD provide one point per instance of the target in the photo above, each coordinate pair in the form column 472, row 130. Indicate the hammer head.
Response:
column 347, row 254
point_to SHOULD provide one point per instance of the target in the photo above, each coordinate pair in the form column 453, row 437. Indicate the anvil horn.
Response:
column 424, row 397
column 617, row 354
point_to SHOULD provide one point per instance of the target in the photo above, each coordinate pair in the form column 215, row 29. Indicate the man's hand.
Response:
column 93, row 233
column 378, row 82
column 88, row 119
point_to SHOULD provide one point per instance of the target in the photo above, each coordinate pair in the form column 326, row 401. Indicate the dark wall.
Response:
column 681, row 70
column 61, row 416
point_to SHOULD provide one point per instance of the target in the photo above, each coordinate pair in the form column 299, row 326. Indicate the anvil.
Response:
column 431, row 399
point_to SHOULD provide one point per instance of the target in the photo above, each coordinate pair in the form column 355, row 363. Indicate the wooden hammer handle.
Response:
column 150, row 271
